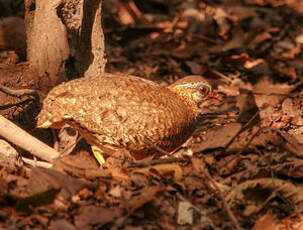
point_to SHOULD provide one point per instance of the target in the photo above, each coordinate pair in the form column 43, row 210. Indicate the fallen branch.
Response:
column 19, row 92
column 19, row 137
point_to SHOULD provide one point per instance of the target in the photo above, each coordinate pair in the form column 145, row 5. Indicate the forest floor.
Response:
column 242, row 167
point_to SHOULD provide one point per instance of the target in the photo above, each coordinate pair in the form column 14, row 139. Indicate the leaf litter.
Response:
column 243, row 166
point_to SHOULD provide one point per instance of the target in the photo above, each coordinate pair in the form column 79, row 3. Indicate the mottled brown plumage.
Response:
column 125, row 112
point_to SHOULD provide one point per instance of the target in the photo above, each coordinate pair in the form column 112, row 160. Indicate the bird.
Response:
column 124, row 112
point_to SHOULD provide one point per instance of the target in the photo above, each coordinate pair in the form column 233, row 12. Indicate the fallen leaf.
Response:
column 221, row 17
column 172, row 170
column 247, row 106
column 292, row 52
column 44, row 179
column 194, row 67
column 8, row 155
column 267, row 222
column 217, row 138
column 260, row 38
column 116, row 191
column 61, row 224
column 185, row 213
column 35, row 200
column 92, row 215
column 146, row 195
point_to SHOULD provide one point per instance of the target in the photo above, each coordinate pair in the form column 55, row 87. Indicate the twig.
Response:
column 36, row 163
column 19, row 137
column 253, row 137
column 19, row 92
column 156, row 162
column 134, row 12
column 205, row 38
column 226, row 206
column 242, row 129
column 215, row 115
column 220, row 75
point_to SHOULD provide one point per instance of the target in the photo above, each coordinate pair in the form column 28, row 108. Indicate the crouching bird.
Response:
column 117, row 112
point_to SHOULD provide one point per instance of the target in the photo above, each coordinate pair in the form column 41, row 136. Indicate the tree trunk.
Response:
column 64, row 39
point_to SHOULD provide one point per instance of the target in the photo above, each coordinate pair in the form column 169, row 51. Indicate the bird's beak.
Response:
column 214, row 95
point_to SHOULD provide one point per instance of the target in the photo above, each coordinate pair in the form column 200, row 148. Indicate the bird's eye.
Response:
column 204, row 90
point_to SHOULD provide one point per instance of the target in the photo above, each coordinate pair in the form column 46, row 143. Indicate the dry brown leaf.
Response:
column 41, row 198
column 268, row 96
column 194, row 67
column 43, row 179
column 221, row 17
column 8, row 155
column 85, row 193
column 297, row 133
column 299, row 38
column 237, row 59
column 61, row 224
column 80, row 164
column 124, row 16
column 253, row 62
column 267, row 222
column 260, row 38
column 296, row 223
column 120, row 174
column 239, row 12
column 292, row 52
column 147, row 194
column 292, row 111
column 247, row 105
column 244, row 60
column 292, row 145
column 172, row 170
column 259, row 190
column 217, row 138
column 92, row 215
column 116, row 191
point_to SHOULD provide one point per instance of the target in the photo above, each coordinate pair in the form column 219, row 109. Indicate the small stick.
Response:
column 19, row 137
column 157, row 162
column 220, row 75
column 242, row 129
column 226, row 206
column 19, row 92
column 36, row 163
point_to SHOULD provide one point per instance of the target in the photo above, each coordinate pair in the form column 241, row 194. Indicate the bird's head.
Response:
column 194, row 90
